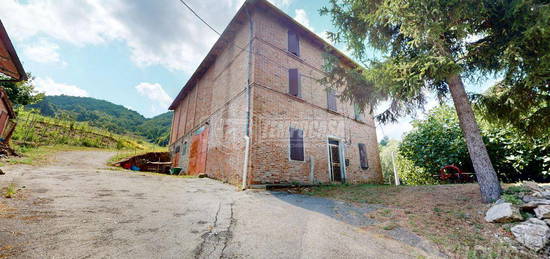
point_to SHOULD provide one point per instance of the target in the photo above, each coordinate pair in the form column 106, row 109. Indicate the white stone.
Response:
column 534, row 203
column 503, row 213
column 543, row 212
column 545, row 194
column 533, row 233
column 533, row 186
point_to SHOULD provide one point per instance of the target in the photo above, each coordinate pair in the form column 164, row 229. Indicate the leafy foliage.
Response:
column 106, row 115
column 21, row 93
column 515, row 43
column 411, row 174
column 437, row 141
column 387, row 149
column 421, row 43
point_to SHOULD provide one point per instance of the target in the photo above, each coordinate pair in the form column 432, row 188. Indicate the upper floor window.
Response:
column 293, row 43
column 331, row 99
column 294, row 82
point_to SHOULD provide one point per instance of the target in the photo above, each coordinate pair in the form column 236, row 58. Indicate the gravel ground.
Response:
column 77, row 208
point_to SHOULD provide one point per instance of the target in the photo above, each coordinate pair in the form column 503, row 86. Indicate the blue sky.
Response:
column 136, row 53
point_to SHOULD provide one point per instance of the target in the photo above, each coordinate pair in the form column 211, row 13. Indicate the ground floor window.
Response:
column 296, row 144
column 363, row 156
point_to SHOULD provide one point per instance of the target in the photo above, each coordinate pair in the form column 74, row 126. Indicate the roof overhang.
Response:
column 228, row 33
column 9, row 61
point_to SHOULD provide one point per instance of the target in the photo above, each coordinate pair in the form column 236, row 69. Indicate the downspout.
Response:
column 248, row 97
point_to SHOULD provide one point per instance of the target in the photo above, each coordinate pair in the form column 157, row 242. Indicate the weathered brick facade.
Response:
column 233, row 83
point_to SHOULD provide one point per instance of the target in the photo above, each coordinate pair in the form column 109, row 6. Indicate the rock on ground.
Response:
column 543, row 212
column 533, row 203
column 503, row 213
column 533, row 186
column 533, row 233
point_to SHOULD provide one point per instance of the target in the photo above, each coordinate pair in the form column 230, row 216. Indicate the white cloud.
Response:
column 50, row 87
column 281, row 3
column 156, row 94
column 42, row 51
column 161, row 32
column 301, row 17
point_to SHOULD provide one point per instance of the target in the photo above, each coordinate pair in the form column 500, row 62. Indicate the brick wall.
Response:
column 275, row 111
column 219, row 101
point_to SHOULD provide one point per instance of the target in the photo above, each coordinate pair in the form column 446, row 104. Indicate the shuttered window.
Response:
column 331, row 99
column 296, row 144
column 363, row 156
column 294, row 82
column 293, row 43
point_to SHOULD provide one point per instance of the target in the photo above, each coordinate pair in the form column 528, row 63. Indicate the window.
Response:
column 293, row 43
column 358, row 113
column 363, row 156
column 296, row 144
column 331, row 99
column 294, row 82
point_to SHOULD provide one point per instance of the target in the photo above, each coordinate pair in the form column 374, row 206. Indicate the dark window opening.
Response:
column 296, row 144
column 363, row 156
column 293, row 43
column 294, row 82
column 331, row 99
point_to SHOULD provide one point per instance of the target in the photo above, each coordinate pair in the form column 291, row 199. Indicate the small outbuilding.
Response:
column 11, row 70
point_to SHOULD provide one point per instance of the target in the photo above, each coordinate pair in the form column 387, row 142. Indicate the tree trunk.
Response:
column 485, row 173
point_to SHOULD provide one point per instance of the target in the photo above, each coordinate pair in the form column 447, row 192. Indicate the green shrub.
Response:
column 437, row 141
column 10, row 191
column 412, row 174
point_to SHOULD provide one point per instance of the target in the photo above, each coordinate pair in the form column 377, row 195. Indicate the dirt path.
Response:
column 77, row 208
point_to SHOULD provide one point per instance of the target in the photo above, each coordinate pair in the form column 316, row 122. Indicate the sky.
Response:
column 136, row 53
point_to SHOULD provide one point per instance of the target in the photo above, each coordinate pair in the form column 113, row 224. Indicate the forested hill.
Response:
column 103, row 114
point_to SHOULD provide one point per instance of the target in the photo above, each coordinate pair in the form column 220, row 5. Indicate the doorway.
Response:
column 197, row 152
column 335, row 157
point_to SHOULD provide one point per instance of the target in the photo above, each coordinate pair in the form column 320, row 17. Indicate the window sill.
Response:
column 360, row 121
column 296, row 98
column 333, row 112
column 292, row 55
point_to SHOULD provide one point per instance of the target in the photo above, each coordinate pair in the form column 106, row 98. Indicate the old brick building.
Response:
column 255, row 113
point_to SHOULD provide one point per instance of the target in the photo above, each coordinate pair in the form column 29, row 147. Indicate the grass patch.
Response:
column 11, row 190
column 451, row 216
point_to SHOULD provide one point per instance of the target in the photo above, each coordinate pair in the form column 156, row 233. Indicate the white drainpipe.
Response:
column 245, row 166
column 248, row 90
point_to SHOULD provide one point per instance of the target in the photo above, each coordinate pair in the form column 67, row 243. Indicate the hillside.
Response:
column 34, row 130
column 106, row 115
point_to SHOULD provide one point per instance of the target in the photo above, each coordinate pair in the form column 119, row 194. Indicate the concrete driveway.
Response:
column 77, row 208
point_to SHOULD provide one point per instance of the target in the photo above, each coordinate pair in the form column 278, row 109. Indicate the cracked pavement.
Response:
column 78, row 208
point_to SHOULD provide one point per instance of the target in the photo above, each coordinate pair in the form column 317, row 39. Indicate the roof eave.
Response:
column 219, row 43
column 13, row 55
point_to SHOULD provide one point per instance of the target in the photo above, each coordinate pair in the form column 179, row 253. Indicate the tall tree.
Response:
column 429, row 46
column 21, row 93
column 518, row 46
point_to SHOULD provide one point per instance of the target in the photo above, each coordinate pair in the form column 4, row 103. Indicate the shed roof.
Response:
column 225, row 39
column 9, row 61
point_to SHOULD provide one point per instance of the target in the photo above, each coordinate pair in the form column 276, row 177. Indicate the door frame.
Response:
column 341, row 151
